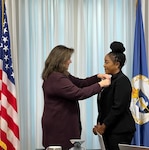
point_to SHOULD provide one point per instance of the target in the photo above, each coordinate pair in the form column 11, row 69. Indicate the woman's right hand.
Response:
column 104, row 76
column 105, row 82
column 100, row 128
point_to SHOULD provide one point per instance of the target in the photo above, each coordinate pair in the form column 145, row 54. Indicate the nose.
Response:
column 104, row 65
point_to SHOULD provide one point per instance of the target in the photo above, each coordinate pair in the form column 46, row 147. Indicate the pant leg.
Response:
column 111, row 141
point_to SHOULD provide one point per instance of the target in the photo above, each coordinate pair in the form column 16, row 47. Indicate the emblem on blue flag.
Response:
column 140, row 102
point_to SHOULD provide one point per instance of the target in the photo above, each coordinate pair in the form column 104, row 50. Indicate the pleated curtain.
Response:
column 88, row 26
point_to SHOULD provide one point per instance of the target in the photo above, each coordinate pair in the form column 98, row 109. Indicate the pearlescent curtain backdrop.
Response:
column 89, row 26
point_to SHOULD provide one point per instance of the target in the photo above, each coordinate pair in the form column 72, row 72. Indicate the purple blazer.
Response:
column 61, row 114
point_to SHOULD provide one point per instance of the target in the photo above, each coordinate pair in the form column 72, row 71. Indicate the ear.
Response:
column 117, row 64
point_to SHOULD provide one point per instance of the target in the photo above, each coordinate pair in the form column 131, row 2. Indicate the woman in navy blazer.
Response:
column 115, row 121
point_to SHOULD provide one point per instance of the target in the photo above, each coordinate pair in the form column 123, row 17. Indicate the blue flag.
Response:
column 140, row 84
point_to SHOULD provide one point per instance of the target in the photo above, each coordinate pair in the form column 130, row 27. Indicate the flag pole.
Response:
column 2, row 144
column 136, row 3
column 3, row 2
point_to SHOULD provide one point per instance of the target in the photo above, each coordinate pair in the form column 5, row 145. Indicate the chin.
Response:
column 107, row 72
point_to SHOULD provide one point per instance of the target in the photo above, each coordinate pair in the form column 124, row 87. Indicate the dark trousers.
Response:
column 112, row 140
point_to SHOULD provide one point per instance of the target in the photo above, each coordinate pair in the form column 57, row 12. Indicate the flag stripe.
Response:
column 10, row 110
column 11, row 124
column 10, row 85
column 9, row 135
column 10, row 98
column 9, row 144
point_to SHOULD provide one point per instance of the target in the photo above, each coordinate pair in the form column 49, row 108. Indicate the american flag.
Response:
column 9, row 125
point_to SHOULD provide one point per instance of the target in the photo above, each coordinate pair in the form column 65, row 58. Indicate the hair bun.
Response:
column 117, row 47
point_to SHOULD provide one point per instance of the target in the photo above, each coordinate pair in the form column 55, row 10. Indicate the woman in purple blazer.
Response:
column 61, row 114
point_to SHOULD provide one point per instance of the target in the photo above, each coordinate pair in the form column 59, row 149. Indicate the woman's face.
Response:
column 110, row 66
column 67, row 63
